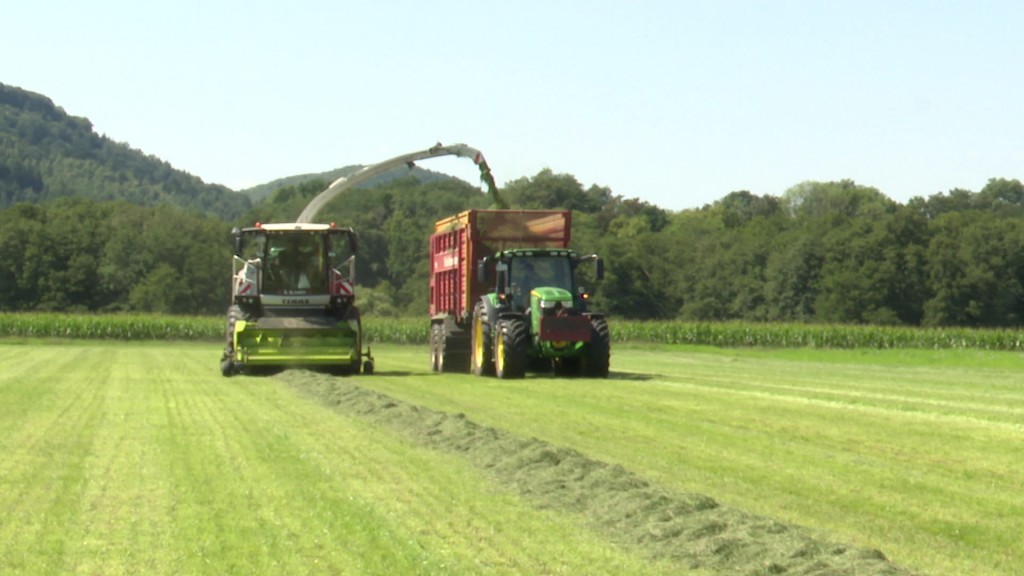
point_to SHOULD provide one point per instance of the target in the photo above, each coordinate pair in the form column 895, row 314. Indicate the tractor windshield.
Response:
column 295, row 264
column 529, row 272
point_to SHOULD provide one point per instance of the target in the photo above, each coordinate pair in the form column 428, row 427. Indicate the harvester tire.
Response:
column 596, row 360
column 227, row 367
column 227, row 361
column 510, row 347
column 482, row 343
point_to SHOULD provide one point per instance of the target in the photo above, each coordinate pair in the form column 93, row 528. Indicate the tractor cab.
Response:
column 539, row 278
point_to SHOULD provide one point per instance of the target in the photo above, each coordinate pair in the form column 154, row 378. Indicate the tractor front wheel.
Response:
column 510, row 347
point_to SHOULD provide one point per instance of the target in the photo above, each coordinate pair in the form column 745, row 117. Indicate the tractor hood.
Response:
column 549, row 298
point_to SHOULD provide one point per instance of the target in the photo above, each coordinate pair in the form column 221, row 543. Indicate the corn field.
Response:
column 416, row 330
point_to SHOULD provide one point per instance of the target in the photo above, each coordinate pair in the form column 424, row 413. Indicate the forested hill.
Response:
column 261, row 192
column 47, row 154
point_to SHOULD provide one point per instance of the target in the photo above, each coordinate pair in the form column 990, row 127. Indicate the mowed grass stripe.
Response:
column 47, row 430
column 255, row 503
column 817, row 438
column 447, row 507
column 908, row 389
column 127, row 504
column 161, row 466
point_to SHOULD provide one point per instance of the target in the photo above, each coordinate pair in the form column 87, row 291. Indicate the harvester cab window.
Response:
column 295, row 264
column 340, row 253
column 253, row 246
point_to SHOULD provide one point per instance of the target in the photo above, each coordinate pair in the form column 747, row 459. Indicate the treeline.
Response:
column 47, row 154
column 833, row 252
column 830, row 252
column 824, row 252
column 77, row 255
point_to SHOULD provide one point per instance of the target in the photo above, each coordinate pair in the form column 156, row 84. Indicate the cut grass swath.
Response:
column 913, row 452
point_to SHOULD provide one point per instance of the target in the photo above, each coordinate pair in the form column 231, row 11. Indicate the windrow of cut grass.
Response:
column 912, row 452
column 416, row 331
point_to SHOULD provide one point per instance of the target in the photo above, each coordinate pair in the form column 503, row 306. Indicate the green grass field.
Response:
column 140, row 458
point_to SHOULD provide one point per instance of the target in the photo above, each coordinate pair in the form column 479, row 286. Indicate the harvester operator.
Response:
column 296, row 262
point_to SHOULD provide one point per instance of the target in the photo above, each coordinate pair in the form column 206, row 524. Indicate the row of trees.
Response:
column 76, row 254
column 821, row 252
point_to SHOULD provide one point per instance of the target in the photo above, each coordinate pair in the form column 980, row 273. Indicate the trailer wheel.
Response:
column 482, row 358
column 453, row 351
column 435, row 347
column 596, row 360
column 510, row 345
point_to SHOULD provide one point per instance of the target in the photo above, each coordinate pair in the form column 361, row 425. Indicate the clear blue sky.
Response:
column 675, row 102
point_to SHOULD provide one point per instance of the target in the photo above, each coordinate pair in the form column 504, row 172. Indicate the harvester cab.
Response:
column 293, row 300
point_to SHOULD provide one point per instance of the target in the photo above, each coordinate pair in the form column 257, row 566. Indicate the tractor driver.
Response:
column 528, row 279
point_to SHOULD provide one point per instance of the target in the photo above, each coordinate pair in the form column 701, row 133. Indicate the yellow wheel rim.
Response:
column 478, row 343
column 499, row 354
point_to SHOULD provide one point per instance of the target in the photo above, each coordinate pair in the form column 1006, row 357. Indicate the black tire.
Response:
column 227, row 367
column 227, row 360
column 453, row 351
column 511, row 344
column 481, row 350
column 598, row 354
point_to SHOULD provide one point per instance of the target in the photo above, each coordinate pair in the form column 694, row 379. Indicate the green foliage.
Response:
column 77, row 255
column 802, row 335
column 111, row 326
column 383, row 325
column 823, row 252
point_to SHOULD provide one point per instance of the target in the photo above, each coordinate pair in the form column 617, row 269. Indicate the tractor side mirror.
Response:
column 599, row 268
column 353, row 241
column 237, row 241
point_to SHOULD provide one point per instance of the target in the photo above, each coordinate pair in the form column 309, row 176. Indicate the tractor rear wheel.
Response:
column 510, row 347
column 596, row 359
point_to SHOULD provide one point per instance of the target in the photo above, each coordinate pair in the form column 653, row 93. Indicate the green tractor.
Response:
column 537, row 318
column 292, row 305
